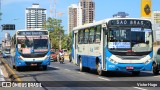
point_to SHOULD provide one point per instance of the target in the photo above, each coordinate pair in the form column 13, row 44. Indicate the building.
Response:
column 121, row 15
column 72, row 17
column 81, row 14
column 35, row 17
column 156, row 24
column 86, row 12
column 156, row 17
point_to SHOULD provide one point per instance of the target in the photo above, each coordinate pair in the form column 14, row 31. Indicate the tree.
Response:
column 67, row 41
column 56, row 31
column 57, row 35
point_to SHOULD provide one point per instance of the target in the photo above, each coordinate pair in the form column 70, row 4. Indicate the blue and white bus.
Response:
column 30, row 48
column 115, row 44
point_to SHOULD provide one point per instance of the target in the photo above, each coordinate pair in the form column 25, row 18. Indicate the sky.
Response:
column 14, row 10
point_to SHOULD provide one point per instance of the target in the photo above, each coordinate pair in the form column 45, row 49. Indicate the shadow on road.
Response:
column 119, row 73
column 29, row 69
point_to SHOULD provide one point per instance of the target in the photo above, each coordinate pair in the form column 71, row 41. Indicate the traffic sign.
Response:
column 8, row 27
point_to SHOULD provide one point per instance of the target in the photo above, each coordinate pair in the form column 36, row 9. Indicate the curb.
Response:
column 12, row 75
column 1, row 73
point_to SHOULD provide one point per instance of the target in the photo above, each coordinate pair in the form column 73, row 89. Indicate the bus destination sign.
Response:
column 32, row 33
column 129, row 22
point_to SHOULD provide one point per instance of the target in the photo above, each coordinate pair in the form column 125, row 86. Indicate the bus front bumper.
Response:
column 32, row 63
column 129, row 67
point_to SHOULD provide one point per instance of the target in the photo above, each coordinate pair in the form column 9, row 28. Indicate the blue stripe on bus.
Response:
column 108, row 53
column 88, row 61
column 151, row 54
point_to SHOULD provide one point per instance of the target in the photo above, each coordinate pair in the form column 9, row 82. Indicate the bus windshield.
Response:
column 32, row 45
column 130, row 39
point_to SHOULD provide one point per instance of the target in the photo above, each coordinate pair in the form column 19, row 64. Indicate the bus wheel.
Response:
column 44, row 67
column 17, row 68
column 135, row 73
column 99, row 70
column 154, row 69
column 13, row 66
column 81, row 68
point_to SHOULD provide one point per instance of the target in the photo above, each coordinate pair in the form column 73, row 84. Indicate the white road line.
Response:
column 140, row 88
column 81, row 73
column 104, row 78
column 156, row 76
column 56, row 67
column 67, row 69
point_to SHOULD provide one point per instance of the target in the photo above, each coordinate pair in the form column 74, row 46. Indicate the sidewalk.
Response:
column 1, row 73
column 155, row 48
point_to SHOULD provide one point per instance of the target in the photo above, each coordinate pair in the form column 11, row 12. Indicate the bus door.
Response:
column 104, row 47
column 75, row 47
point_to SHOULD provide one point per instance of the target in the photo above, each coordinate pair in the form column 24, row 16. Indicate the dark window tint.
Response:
column 158, row 52
column 80, row 36
column 52, row 52
column 91, row 35
column 98, row 34
column 86, row 36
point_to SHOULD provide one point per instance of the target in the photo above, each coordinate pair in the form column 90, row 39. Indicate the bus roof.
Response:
column 104, row 21
column 30, row 30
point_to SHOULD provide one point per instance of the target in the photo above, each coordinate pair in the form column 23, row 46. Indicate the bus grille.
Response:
column 29, row 63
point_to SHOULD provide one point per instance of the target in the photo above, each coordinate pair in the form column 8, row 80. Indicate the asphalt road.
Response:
column 70, row 72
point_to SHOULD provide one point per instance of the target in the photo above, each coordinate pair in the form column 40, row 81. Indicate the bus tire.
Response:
column 81, row 68
column 44, row 67
column 154, row 69
column 17, row 68
column 99, row 70
column 135, row 73
column 13, row 66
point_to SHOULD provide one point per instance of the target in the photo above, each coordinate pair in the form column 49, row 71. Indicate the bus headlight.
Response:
column 20, row 58
column 113, row 61
column 146, row 62
column 47, row 57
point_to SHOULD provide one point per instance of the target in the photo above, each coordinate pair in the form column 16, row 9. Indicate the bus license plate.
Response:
column 33, row 64
column 129, row 68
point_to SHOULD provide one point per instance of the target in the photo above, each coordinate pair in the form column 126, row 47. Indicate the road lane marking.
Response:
column 156, row 76
column 54, row 67
column 140, row 88
column 104, row 78
column 81, row 73
column 67, row 69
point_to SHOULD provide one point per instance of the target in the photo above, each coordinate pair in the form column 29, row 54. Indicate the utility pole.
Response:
column 51, row 8
column 60, row 43
column 55, row 9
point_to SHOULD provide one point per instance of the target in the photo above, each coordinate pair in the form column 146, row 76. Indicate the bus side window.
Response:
column 86, row 36
column 91, row 35
column 80, row 36
column 98, row 34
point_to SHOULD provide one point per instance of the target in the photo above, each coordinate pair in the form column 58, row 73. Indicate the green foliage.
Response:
column 56, row 33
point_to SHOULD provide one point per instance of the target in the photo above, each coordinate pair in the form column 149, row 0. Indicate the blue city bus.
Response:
column 30, row 48
column 115, row 44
